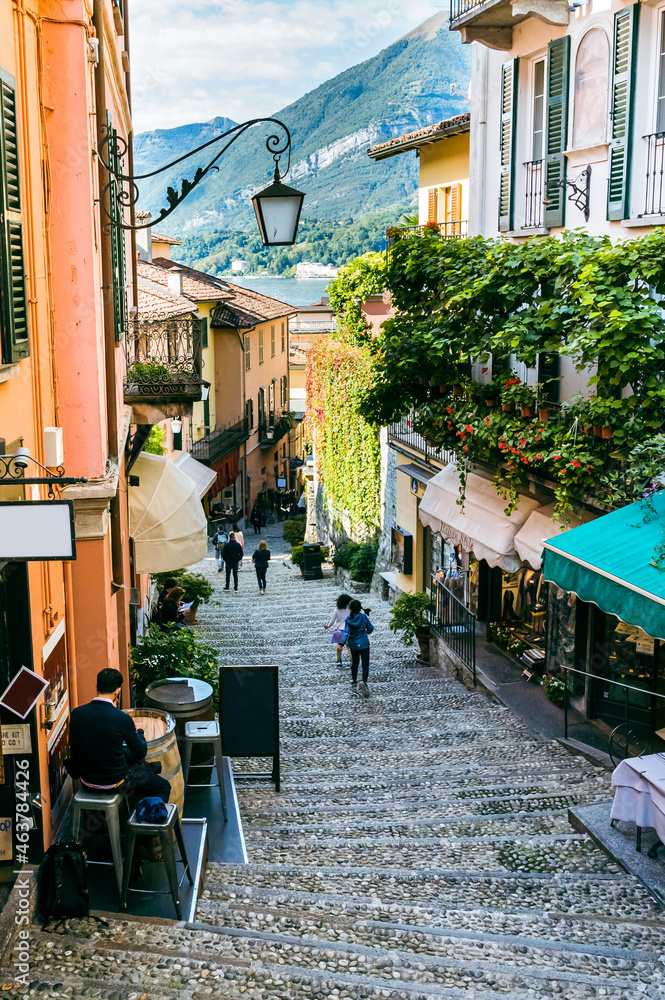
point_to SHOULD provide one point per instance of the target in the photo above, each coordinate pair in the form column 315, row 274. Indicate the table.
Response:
column 640, row 794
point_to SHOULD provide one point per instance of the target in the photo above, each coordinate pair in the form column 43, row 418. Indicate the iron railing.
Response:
column 460, row 7
column 220, row 441
column 312, row 326
column 274, row 428
column 533, row 195
column 654, row 202
column 402, row 432
column 452, row 620
column 444, row 230
column 163, row 359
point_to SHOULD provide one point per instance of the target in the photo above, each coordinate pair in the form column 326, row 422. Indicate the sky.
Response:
column 241, row 59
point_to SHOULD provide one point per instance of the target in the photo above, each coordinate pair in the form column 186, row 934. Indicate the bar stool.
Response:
column 205, row 733
column 89, row 801
column 168, row 832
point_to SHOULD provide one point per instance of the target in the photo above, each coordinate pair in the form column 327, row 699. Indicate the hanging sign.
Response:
column 37, row 530
column 23, row 692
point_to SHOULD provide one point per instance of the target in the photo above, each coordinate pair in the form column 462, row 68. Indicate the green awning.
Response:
column 609, row 562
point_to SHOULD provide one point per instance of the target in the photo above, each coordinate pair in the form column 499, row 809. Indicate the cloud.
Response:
column 247, row 58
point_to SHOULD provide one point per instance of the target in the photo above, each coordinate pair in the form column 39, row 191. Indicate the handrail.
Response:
column 606, row 680
column 463, row 643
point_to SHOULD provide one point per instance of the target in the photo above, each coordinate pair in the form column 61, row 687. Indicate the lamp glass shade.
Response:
column 278, row 210
column 176, row 425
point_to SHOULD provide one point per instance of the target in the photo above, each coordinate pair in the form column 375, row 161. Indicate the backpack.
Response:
column 62, row 884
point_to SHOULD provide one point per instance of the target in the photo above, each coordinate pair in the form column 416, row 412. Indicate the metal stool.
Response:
column 85, row 801
column 168, row 832
column 204, row 732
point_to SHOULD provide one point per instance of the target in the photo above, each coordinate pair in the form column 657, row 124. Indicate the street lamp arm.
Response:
column 113, row 148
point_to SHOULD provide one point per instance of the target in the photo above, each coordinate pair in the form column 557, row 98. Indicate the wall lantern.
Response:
column 278, row 210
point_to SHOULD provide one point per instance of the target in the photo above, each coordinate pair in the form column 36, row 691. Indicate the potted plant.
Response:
column 555, row 689
column 409, row 617
column 507, row 393
column 172, row 653
column 522, row 396
column 197, row 589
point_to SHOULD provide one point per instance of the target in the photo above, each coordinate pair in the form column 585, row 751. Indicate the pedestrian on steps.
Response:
column 240, row 539
column 232, row 554
column 255, row 520
column 337, row 623
column 219, row 540
column 261, row 558
column 355, row 635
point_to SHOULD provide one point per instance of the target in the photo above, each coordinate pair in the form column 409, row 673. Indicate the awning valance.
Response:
column 609, row 562
column 202, row 476
column 166, row 519
column 540, row 525
column 481, row 526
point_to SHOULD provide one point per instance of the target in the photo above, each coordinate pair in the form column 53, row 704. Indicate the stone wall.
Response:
column 389, row 518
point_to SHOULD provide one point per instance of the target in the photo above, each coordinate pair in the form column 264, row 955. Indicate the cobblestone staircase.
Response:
column 419, row 849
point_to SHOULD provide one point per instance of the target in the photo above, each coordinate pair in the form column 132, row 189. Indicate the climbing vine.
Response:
column 355, row 283
column 346, row 447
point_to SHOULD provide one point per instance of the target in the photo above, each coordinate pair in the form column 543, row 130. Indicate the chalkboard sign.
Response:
column 249, row 715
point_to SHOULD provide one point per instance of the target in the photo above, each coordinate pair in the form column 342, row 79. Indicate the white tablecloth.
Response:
column 640, row 792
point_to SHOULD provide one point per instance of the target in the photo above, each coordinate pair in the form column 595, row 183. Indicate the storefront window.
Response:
column 563, row 617
column 523, row 600
column 624, row 654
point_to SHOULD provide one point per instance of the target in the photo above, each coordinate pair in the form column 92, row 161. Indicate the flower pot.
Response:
column 597, row 430
column 508, row 407
column 587, row 431
column 489, row 403
column 444, row 389
column 422, row 635
column 606, row 433
column 527, row 411
column 544, row 413
column 458, row 390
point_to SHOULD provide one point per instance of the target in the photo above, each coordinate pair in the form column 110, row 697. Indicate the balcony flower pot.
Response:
column 587, row 431
column 544, row 413
column 444, row 389
column 422, row 636
column 527, row 411
column 606, row 433
column 490, row 402
column 597, row 430
column 458, row 390
column 508, row 407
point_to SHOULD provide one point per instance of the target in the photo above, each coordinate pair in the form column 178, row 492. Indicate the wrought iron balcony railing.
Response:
column 220, row 442
column 402, row 433
column 460, row 7
column 274, row 428
column 533, row 195
column 312, row 326
column 443, row 230
column 163, row 360
column 654, row 202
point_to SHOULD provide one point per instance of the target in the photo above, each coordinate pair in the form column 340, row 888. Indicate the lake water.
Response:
column 295, row 291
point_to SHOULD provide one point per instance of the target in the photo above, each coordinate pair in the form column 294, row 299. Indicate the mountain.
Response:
column 403, row 88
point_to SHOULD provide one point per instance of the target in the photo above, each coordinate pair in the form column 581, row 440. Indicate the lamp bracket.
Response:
column 11, row 472
column 580, row 190
column 122, row 190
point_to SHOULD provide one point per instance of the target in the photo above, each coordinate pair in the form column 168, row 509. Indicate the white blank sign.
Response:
column 37, row 530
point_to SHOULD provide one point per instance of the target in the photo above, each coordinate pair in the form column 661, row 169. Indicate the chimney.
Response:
column 175, row 282
column 144, row 237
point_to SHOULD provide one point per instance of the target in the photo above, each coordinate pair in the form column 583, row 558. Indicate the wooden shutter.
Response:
column 204, row 332
column 455, row 209
column 623, row 88
column 13, row 289
column 432, row 205
column 558, row 75
column 548, row 377
column 507, row 143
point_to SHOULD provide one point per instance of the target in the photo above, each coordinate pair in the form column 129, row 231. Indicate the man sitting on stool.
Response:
column 107, row 751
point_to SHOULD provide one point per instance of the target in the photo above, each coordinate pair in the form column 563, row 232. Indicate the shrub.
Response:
column 173, row 653
column 409, row 614
column 343, row 554
column 294, row 530
column 155, row 443
column 555, row 688
column 195, row 585
column 359, row 558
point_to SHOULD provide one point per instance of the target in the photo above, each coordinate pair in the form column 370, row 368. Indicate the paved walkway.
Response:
column 419, row 849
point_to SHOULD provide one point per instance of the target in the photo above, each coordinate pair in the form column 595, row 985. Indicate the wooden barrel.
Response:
column 187, row 699
column 160, row 734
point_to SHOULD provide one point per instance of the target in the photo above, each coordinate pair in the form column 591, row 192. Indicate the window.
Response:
column 272, row 341
column 248, row 352
column 556, row 130
column 660, row 106
column 533, row 204
column 13, row 304
column 283, row 337
column 283, row 390
column 621, row 109
column 204, row 333
column 538, row 127
column 261, row 414
column 271, row 404
column 249, row 414
column 507, row 143
column 592, row 69
column 260, row 347
column 445, row 207
column 118, row 256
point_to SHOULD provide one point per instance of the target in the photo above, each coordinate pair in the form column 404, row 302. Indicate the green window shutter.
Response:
column 622, row 98
column 118, row 261
column 507, row 143
column 13, row 288
column 548, row 377
column 500, row 364
column 204, row 332
column 558, row 75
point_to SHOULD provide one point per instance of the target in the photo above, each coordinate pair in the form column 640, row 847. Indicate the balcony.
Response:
column 312, row 326
column 271, row 431
column 402, row 434
column 443, row 230
column 220, row 442
column 533, row 197
column 654, row 200
column 491, row 22
column 163, row 361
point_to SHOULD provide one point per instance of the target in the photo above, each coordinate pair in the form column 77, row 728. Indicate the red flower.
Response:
column 469, row 428
column 465, row 448
column 539, row 457
column 576, row 464
column 522, row 442
column 483, row 371
column 556, row 458
column 513, row 381
column 487, row 421
column 448, row 410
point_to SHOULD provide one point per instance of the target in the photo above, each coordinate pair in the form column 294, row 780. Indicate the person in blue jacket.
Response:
column 357, row 631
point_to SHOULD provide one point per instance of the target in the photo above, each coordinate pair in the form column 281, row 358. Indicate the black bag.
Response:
column 62, row 884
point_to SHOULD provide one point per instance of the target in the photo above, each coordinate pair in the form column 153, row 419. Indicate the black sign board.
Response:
column 249, row 715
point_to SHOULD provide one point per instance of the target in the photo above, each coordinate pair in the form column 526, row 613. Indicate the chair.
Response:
column 204, row 733
column 89, row 801
column 168, row 832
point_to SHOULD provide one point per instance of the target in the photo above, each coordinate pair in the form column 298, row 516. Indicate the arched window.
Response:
column 592, row 66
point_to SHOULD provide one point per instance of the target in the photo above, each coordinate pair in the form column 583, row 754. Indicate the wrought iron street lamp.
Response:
column 277, row 208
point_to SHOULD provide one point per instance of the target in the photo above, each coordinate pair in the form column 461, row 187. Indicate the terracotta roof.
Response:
column 157, row 302
column 402, row 143
column 297, row 354
column 172, row 241
column 196, row 286
column 248, row 308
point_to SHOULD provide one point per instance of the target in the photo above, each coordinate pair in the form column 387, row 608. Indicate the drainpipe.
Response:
column 107, row 297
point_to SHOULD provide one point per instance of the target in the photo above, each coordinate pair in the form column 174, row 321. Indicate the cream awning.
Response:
column 481, row 526
column 529, row 540
column 166, row 519
column 202, row 476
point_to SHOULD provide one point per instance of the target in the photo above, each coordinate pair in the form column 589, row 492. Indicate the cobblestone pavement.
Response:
column 419, row 849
